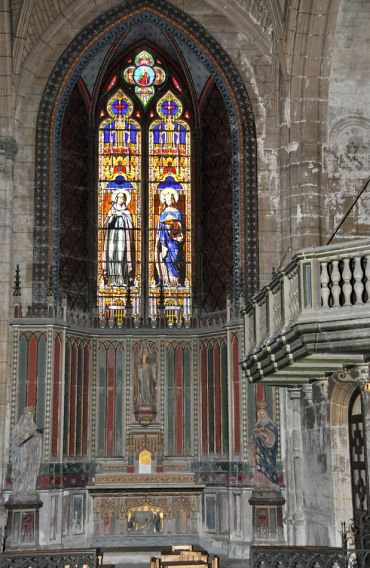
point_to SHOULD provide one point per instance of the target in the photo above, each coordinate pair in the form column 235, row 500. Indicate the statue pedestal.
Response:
column 23, row 522
column 267, row 505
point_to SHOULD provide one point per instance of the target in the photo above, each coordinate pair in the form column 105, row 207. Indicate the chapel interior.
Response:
column 185, row 273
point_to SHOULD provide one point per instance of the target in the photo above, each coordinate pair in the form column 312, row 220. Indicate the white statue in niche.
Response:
column 26, row 452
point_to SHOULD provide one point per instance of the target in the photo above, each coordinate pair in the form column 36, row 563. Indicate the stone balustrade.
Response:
column 313, row 316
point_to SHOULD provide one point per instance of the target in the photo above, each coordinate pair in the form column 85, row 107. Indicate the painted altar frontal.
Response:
column 145, row 498
column 158, row 506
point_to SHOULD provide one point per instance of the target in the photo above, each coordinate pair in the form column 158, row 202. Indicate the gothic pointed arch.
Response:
column 115, row 23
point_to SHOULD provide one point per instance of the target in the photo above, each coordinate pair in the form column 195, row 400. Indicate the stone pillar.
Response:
column 299, row 520
column 8, row 150
column 363, row 379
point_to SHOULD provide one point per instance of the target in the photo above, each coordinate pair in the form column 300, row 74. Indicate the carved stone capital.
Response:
column 358, row 374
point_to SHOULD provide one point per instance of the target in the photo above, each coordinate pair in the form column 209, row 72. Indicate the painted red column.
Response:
column 32, row 371
column 72, row 401
column 217, row 400
column 110, row 415
column 56, row 398
column 179, row 389
column 235, row 358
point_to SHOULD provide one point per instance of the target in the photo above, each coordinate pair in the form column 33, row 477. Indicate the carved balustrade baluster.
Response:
column 367, row 274
column 262, row 323
column 277, row 309
column 358, row 276
column 293, row 294
column 324, row 281
column 335, row 278
column 347, row 288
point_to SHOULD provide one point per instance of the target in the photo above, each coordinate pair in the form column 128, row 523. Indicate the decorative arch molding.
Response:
column 103, row 31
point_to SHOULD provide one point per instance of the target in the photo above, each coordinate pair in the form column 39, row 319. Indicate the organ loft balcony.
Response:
column 313, row 317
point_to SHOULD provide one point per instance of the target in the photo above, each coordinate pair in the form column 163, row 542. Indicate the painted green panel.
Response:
column 224, row 399
column 119, row 401
column 67, row 394
column 41, row 381
column 187, row 403
column 79, row 401
column 22, row 374
column 102, row 364
column 170, row 401
column 211, row 401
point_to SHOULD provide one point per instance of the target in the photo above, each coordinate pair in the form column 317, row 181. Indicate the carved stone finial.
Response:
column 17, row 282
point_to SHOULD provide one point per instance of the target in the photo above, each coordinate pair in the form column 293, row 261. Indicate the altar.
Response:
column 144, row 506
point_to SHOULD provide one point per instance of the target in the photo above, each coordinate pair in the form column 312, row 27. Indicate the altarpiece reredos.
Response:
column 146, row 164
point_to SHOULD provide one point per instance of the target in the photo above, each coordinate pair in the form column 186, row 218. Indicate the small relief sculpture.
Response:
column 26, row 444
column 263, row 449
column 145, row 520
column 145, row 381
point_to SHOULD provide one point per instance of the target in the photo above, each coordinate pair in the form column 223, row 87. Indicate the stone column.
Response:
column 362, row 377
column 8, row 150
column 299, row 520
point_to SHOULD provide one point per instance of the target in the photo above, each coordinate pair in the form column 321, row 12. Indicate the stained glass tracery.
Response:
column 145, row 75
column 144, row 165
column 119, row 217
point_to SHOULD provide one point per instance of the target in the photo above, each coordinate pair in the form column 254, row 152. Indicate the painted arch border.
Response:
column 102, row 31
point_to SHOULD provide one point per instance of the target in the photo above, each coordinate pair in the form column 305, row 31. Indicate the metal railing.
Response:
column 354, row 553
column 294, row 557
column 81, row 558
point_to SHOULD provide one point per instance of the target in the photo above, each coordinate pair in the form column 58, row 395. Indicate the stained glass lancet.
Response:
column 170, row 210
column 119, row 215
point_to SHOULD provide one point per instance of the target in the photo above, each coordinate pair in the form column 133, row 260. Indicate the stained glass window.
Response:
column 169, row 207
column 144, row 195
column 119, row 217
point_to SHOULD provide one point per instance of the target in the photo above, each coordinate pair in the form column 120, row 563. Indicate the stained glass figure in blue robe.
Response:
column 169, row 242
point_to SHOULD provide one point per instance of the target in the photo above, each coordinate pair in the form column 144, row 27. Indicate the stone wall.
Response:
column 346, row 149
column 320, row 500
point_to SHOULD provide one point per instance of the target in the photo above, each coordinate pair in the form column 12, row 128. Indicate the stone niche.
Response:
column 153, row 512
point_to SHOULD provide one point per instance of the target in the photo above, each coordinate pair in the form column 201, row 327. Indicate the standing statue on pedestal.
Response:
column 145, row 385
column 146, row 368
column 26, row 444
column 263, row 449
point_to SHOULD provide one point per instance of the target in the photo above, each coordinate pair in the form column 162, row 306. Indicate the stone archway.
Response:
column 340, row 398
